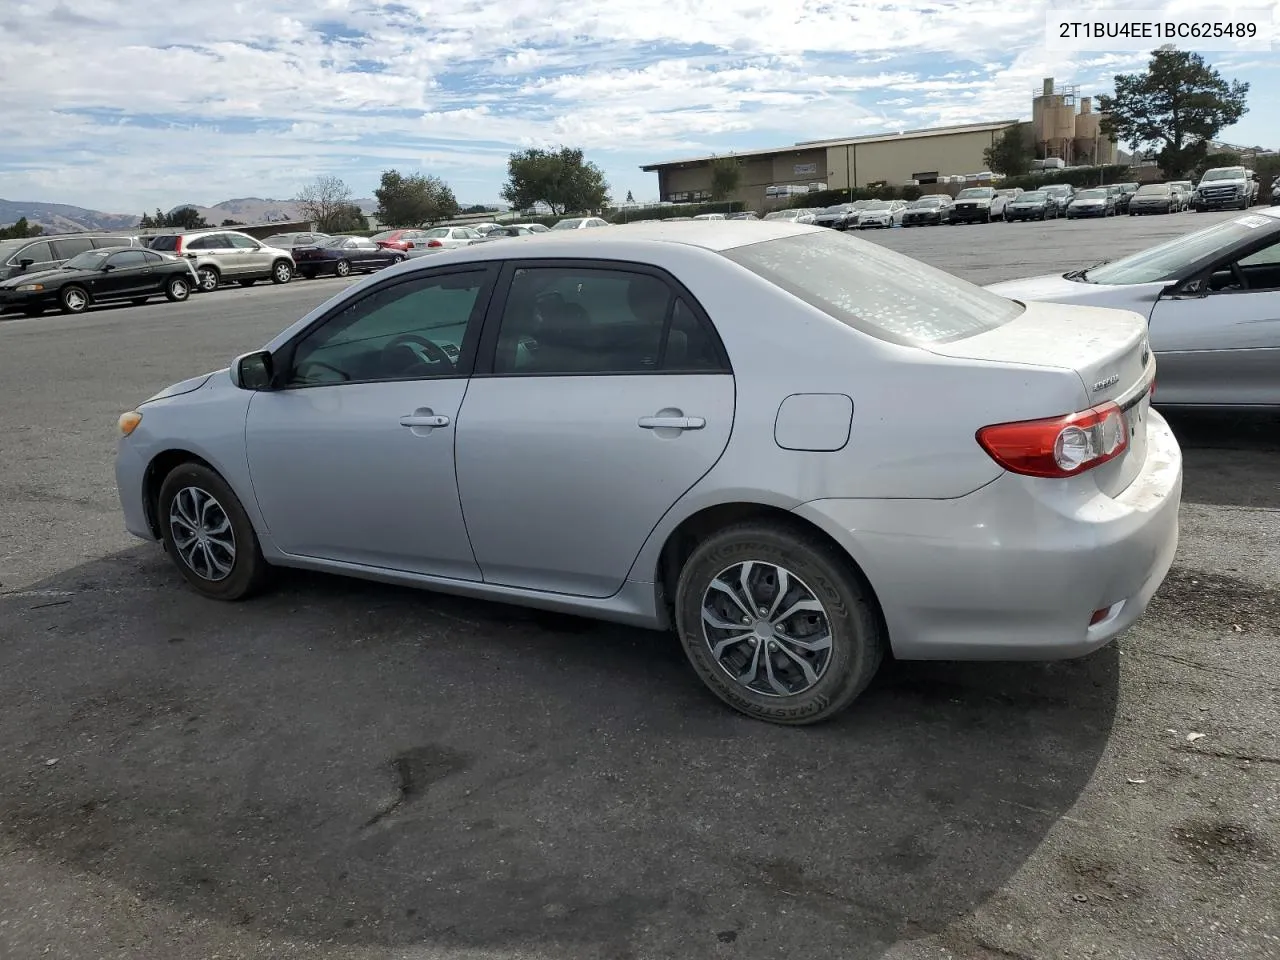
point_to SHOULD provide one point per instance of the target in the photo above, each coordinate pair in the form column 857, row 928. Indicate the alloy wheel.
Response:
column 208, row 279
column 766, row 629
column 202, row 534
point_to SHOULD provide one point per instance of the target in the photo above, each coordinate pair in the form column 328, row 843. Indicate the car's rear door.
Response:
column 601, row 396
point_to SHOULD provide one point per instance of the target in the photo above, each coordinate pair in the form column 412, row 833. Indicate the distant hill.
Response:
column 258, row 210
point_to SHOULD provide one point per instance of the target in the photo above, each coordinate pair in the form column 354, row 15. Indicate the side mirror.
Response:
column 254, row 371
column 108, row 267
column 25, row 262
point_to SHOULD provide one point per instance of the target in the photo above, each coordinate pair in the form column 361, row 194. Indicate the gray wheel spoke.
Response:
column 784, row 585
column 774, row 682
column 719, row 622
column 728, row 591
column 718, row 650
column 744, row 584
column 748, row 676
column 811, row 644
column 202, row 534
column 805, row 667
column 800, row 606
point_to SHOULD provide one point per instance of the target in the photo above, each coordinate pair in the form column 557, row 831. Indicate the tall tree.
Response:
column 414, row 201
column 562, row 179
column 726, row 175
column 1010, row 154
column 322, row 201
column 630, row 198
column 20, row 230
column 1175, row 107
column 184, row 218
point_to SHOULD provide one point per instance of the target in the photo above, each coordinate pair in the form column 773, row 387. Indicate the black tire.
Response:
column 858, row 642
column 398, row 258
column 249, row 570
column 177, row 289
column 281, row 271
column 342, row 268
column 73, row 299
column 246, row 283
column 210, row 278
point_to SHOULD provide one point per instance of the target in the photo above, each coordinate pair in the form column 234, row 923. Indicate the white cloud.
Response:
column 129, row 110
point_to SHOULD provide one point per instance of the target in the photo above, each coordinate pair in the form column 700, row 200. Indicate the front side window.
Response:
column 408, row 331
column 568, row 321
column 1171, row 259
column 128, row 258
column 876, row 290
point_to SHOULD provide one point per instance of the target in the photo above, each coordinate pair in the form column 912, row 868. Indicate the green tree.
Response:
column 231, row 223
column 1009, row 155
column 562, row 179
column 726, row 175
column 414, row 201
column 185, row 218
column 326, row 202
column 1175, row 108
column 347, row 218
column 630, row 198
column 20, row 230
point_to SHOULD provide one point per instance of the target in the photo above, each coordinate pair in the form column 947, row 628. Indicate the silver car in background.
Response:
column 1212, row 300
column 799, row 449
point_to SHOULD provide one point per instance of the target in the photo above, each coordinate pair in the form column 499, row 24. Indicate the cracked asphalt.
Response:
column 347, row 770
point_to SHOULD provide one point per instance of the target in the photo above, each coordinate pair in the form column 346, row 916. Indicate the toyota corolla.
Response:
column 798, row 449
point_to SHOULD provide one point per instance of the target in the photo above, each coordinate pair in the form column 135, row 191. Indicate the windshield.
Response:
column 89, row 260
column 926, row 202
column 1153, row 190
column 1033, row 196
column 567, row 225
column 1169, row 260
column 1057, row 188
column 874, row 289
column 878, row 205
column 1091, row 195
column 1225, row 173
column 976, row 193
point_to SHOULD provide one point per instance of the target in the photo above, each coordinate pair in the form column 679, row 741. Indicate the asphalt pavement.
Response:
column 346, row 770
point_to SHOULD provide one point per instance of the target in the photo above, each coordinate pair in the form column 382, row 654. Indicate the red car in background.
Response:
column 398, row 239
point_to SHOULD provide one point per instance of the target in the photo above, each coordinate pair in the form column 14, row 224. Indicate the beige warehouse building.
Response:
column 923, row 156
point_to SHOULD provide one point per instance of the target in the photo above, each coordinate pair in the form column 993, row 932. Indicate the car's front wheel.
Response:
column 177, row 290
column 207, row 534
column 777, row 624
column 209, row 279
column 73, row 299
column 342, row 268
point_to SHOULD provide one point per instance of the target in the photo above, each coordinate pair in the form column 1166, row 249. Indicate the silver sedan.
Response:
column 1212, row 299
column 798, row 449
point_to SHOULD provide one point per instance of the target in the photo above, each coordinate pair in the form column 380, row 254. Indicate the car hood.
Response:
column 38, row 276
column 185, row 386
column 1049, row 286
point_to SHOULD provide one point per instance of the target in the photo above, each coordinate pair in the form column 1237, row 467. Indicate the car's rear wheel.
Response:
column 281, row 272
column 342, row 268
column 177, row 289
column 207, row 534
column 73, row 299
column 777, row 624
column 209, row 278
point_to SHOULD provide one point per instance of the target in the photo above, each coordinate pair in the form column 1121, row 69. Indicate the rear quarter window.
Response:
column 875, row 290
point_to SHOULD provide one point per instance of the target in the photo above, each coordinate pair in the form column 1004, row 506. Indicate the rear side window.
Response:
column 875, row 290
column 72, row 247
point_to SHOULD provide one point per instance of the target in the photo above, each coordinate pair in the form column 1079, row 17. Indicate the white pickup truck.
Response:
column 1224, row 188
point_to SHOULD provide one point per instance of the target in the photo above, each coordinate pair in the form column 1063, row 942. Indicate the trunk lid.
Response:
column 1106, row 348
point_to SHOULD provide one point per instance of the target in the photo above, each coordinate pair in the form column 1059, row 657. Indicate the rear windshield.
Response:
column 874, row 289
column 164, row 243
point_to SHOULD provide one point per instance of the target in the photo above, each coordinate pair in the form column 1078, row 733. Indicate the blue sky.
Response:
column 128, row 105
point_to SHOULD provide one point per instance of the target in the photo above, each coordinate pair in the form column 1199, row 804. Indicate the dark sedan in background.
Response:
column 515, row 230
column 1099, row 202
column 928, row 211
column 1153, row 198
column 343, row 256
column 100, row 276
column 1034, row 205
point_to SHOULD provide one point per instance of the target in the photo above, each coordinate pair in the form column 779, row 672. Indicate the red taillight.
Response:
column 178, row 247
column 1153, row 387
column 1058, row 446
column 434, row 243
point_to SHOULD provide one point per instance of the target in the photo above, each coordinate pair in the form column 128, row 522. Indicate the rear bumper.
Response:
column 1015, row 570
column 1087, row 212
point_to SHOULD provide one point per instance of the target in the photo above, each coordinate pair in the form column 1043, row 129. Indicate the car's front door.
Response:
column 129, row 274
column 601, row 396
column 1221, row 343
column 352, row 455
column 253, row 256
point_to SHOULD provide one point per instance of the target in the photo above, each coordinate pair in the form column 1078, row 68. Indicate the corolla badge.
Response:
column 1106, row 382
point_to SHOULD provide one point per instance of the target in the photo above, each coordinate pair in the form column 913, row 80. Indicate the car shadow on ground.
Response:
column 379, row 766
column 1229, row 459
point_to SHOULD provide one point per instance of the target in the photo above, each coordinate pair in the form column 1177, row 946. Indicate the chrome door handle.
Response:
column 671, row 423
column 435, row 420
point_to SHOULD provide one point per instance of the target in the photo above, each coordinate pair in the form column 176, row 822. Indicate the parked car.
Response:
column 1127, row 190
column 1034, row 205
column 1212, row 299
column 709, row 216
column 287, row 241
column 745, row 215
column 438, row 239
column 35, row 254
column 881, row 214
column 840, row 216
column 580, row 223
column 1181, row 192
column 402, row 240
column 343, row 256
column 1061, row 192
column 514, row 230
column 1005, row 197
column 227, row 255
column 484, row 229
column 928, row 211
column 978, row 205
column 100, row 276
column 1222, row 188
column 1153, row 198
column 1098, row 202
column 428, row 426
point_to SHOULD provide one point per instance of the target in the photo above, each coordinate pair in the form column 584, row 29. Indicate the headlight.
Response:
column 30, row 287
column 129, row 422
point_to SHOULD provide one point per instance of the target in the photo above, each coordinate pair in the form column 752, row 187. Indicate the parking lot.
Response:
column 343, row 769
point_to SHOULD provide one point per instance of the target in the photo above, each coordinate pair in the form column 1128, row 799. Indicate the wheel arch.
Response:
column 684, row 538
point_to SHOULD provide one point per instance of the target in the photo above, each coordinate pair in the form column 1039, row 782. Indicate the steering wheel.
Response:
column 1239, row 276
column 299, row 376
column 427, row 350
